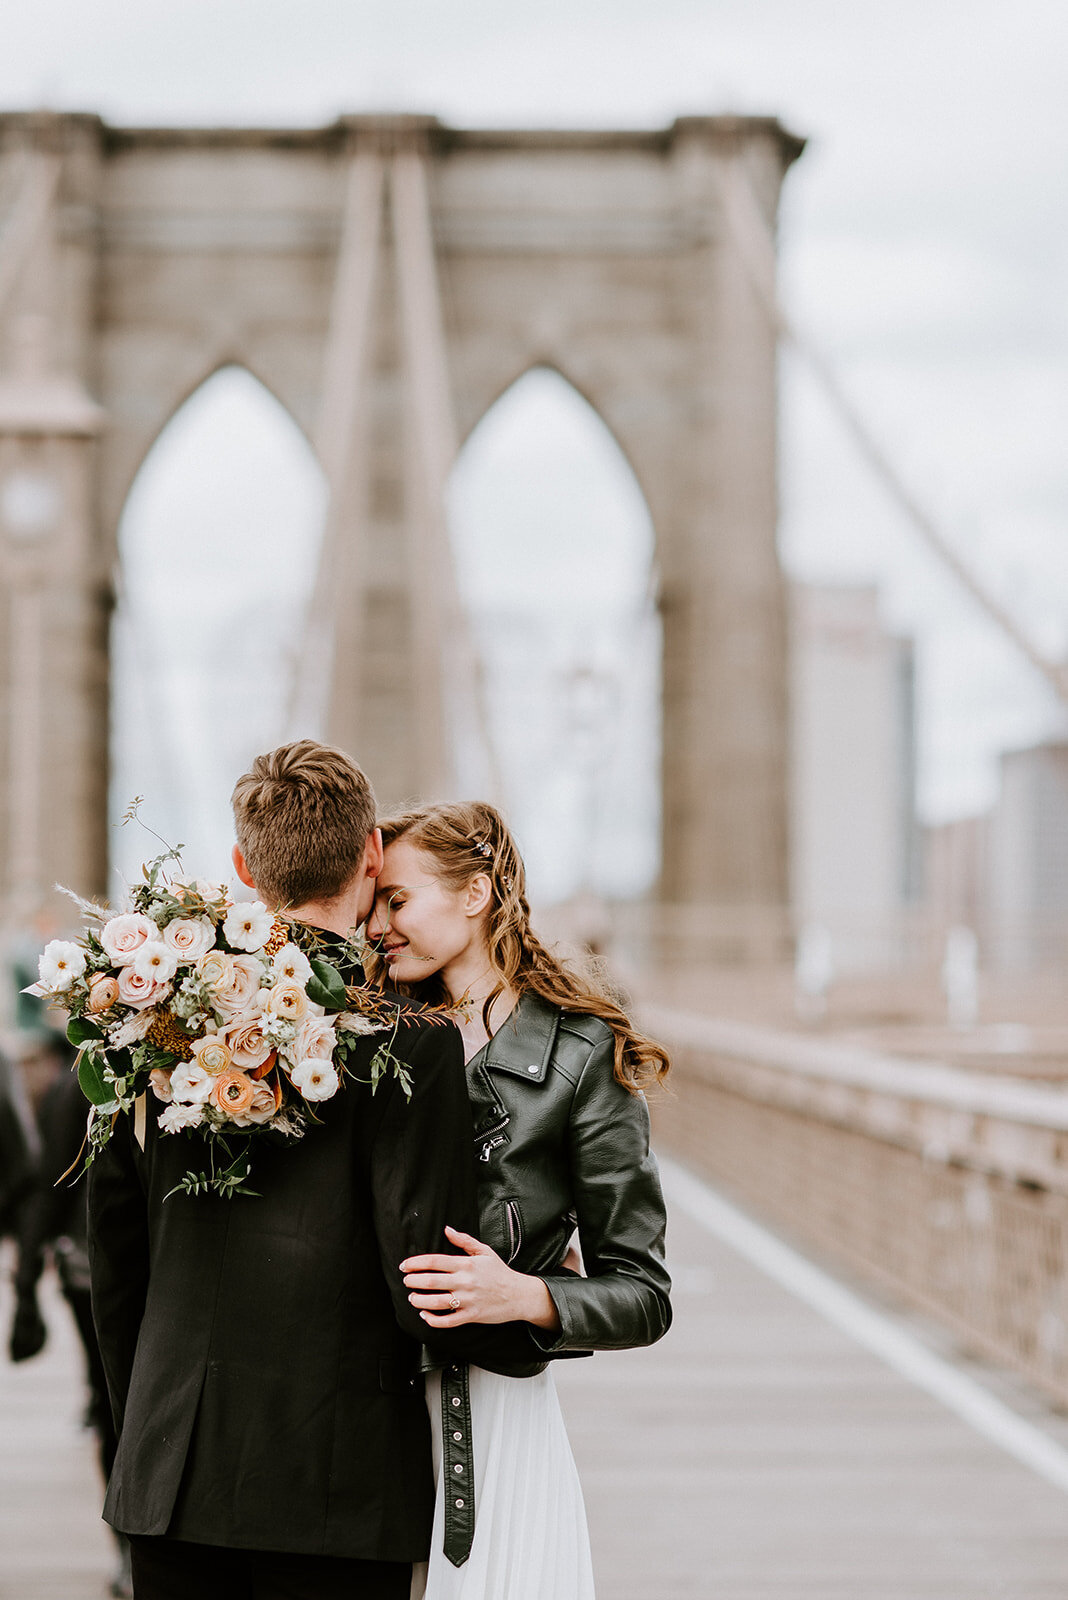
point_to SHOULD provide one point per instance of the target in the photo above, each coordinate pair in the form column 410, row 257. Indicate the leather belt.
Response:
column 457, row 1464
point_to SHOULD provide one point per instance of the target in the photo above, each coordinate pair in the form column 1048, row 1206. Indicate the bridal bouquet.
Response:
column 207, row 1005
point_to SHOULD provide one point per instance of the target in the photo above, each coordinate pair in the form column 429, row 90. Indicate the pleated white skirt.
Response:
column 531, row 1541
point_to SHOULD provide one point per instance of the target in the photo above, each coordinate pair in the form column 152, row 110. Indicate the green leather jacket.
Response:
column 559, row 1142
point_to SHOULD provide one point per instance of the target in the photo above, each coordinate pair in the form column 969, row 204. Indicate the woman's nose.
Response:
column 376, row 927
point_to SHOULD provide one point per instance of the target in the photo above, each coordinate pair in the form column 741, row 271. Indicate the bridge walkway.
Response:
column 762, row 1451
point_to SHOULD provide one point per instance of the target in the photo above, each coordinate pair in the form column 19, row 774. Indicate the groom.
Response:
column 261, row 1353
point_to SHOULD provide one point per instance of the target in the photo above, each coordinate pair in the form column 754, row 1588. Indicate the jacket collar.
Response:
column 523, row 1044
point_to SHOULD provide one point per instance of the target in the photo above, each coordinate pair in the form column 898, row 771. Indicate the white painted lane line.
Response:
column 862, row 1322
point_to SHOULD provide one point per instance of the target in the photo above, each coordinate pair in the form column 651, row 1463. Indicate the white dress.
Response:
column 531, row 1540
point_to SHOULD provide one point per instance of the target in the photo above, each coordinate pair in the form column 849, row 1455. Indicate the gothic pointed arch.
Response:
column 217, row 545
column 554, row 548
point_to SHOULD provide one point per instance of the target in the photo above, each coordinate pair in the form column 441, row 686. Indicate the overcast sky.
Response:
column 924, row 242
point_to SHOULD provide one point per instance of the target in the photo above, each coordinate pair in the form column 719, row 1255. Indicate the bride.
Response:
column 555, row 1075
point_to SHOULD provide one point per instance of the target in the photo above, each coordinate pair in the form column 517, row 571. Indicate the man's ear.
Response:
column 478, row 894
column 373, row 854
column 241, row 867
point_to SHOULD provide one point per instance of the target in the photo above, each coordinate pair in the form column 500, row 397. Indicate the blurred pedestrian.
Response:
column 53, row 1221
column 18, row 1147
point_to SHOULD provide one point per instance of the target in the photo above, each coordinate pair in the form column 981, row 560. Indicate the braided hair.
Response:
column 467, row 838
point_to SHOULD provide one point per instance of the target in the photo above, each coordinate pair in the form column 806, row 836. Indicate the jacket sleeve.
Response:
column 118, row 1258
column 624, row 1300
column 423, row 1176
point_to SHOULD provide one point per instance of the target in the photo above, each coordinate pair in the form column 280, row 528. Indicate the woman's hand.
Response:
column 448, row 1291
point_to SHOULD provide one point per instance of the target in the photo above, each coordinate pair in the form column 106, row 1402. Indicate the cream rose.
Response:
column 239, row 993
column 317, row 1040
column 288, row 1001
column 189, row 937
column 315, row 1079
column 161, row 1084
column 248, row 925
column 124, row 935
column 62, row 961
column 190, row 1083
column 215, row 969
column 138, row 991
column 245, row 1038
column 154, row 960
column 212, row 1053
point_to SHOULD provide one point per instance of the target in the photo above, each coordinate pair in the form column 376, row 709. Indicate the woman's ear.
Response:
column 478, row 894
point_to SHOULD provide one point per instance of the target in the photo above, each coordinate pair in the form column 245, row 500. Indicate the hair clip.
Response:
column 483, row 847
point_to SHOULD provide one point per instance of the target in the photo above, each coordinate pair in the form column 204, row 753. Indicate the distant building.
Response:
column 855, row 843
column 1027, row 886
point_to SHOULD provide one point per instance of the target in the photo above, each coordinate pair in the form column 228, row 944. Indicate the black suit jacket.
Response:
column 261, row 1354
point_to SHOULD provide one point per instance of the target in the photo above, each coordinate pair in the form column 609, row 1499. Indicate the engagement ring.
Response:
column 454, row 1302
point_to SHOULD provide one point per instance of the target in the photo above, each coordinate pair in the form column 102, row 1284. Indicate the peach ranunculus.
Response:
column 124, row 935
column 103, row 992
column 212, row 1053
column 160, row 1079
column 238, row 995
column 138, row 991
column 189, row 937
column 317, row 1040
column 289, row 1002
column 266, row 1099
column 245, row 1038
column 233, row 1093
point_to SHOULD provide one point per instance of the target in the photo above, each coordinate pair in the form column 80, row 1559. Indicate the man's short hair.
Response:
column 303, row 814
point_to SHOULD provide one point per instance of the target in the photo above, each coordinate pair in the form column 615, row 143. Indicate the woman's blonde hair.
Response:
column 469, row 838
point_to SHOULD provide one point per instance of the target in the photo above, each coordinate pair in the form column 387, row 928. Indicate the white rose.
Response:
column 62, row 961
column 155, row 961
column 189, row 937
column 248, row 925
column 139, row 992
column 190, row 1082
column 291, row 965
column 124, row 935
column 316, row 1040
column 315, row 1079
column 176, row 1117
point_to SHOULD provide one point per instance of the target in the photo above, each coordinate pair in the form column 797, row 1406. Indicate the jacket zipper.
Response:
column 490, row 1145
